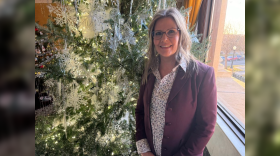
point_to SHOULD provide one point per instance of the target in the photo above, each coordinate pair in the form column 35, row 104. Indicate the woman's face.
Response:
column 166, row 47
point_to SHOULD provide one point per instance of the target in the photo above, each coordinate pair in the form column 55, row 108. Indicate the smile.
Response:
column 165, row 46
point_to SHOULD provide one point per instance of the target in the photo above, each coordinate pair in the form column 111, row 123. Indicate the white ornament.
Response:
column 64, row 15
column 128, row 35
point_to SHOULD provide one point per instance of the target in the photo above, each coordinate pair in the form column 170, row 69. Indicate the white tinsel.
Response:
column 128, row 46
column 117, row 32
column 130, row 8
column 113, row 43
column 164, row 1
column 59, row 87
column 65, row 124
column 159, row 4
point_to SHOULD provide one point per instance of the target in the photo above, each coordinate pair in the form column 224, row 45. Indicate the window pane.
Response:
column 231, row 70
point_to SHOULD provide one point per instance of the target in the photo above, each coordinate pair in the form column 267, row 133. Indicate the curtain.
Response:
column 195, row 4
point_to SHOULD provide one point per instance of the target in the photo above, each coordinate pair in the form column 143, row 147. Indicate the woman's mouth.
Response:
column 165, row 47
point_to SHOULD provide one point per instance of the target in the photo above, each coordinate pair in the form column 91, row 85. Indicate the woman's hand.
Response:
column 147, row 154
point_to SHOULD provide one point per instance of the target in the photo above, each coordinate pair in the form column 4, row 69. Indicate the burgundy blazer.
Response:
column 190, row 113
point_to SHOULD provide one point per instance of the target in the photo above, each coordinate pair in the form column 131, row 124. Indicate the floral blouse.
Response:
column 160, row 95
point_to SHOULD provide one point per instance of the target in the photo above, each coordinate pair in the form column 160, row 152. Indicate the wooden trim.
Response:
column 216, row 27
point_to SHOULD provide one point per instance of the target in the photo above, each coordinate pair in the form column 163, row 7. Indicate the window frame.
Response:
column 232, row 122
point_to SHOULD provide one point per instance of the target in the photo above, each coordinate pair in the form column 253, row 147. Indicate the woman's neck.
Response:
column 166, row 65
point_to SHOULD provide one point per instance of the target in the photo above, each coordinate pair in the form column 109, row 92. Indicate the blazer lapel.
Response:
column 149, row 90
column 177, row 85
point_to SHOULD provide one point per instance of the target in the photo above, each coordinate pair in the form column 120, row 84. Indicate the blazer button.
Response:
column 167, row 123
column 167, row 137
column 169, row 109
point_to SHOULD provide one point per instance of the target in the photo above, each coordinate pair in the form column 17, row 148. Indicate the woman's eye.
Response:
column 171, row 32
column 158, row 33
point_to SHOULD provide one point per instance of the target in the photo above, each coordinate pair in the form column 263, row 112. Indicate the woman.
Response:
column 177, row 105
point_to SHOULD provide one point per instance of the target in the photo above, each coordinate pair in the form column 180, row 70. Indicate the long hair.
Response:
column 184, row 45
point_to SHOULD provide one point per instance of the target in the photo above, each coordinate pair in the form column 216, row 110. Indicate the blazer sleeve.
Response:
column 139, row 114
column 205, row 117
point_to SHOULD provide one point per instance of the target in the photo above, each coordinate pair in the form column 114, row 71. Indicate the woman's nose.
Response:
column 164, row 37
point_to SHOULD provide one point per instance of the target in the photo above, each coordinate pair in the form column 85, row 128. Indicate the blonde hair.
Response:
column 184, row 45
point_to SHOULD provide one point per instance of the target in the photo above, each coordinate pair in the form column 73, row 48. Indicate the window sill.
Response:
column 229, row 135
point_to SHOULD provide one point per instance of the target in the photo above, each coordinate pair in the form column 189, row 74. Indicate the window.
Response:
column 227, row 56
column 231, row 69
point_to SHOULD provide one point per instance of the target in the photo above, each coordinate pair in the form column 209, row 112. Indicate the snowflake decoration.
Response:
column 128, row 34
column 141, row 19
column 75, row 97
column 69, row 61
column 64, row 15
column 98, row 16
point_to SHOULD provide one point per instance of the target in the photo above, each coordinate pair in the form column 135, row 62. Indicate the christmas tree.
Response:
column 94, row 80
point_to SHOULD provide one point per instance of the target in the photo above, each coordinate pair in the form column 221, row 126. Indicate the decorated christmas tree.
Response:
column 94, row 80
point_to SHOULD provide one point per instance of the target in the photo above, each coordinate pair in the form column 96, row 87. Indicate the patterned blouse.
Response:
column 160, row 95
